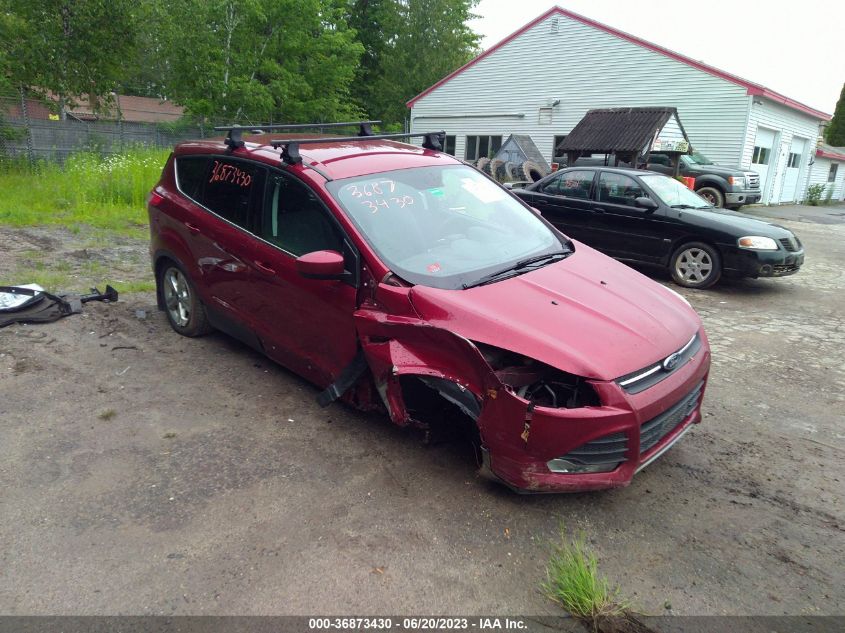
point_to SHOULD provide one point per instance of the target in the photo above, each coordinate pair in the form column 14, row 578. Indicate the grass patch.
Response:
column 573, row 581
column 106, row 415
column 89, row 190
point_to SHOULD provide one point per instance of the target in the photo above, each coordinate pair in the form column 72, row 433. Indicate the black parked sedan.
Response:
column 646, row 217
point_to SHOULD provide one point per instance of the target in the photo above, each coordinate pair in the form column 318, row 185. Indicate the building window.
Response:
column 545, row 116
column 794, row 160
column 558, row 156
column 449, row 146
column 482, row 147
column 761, row 155
column 831, row 176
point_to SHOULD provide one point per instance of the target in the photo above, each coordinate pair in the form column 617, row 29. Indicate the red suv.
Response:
column 396, row 276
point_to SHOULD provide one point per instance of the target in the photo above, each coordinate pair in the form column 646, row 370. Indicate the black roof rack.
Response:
column 235, row 140
column 290, row 147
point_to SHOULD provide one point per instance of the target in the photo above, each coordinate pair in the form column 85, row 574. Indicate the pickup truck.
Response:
column 721, row 185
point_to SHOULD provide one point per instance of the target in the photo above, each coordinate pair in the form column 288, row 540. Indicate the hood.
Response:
column 588, row 315
column 719, row 170
column 740, row 224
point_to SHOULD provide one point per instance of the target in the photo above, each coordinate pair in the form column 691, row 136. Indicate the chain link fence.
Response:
column 27, row 132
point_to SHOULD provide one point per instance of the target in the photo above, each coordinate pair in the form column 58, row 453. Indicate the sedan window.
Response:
column 572, row 184
column 673, row 193
column 619, row 189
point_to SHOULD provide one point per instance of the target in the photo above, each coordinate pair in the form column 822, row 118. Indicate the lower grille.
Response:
column 782, row 269
column 789, row 244
column 609, row 449
column 654, row 430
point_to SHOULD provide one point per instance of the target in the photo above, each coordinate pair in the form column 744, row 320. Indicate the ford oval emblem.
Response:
column 671, row 361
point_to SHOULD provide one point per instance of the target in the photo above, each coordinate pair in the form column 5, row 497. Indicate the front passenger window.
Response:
column 295, row 220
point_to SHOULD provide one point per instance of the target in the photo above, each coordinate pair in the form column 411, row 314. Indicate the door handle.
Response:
column 264, row 268
column 192, row 228
column 598, row 210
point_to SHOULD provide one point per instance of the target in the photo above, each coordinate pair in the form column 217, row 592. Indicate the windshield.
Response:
column 444, row 227
column 673, row 193
column 696, row 159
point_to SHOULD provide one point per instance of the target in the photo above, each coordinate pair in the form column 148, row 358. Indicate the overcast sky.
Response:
column 795, row 47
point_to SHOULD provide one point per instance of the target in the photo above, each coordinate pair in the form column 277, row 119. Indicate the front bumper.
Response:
column 741, row 262
column 748, row 196
column 520, row 442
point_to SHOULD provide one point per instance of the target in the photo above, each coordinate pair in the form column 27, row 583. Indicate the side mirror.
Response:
column 646, row 203
column 321, row 265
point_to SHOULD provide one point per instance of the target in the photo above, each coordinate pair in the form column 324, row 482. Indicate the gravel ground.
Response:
column 145, row 473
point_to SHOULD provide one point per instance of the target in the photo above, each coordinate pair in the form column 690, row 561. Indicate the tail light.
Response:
column 154, row 199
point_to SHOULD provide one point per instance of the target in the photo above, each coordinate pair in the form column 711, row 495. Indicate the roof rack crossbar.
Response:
column 290, row 147
column 234, row 138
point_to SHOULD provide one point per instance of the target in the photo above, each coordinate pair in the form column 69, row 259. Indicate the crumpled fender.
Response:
column 397, row 346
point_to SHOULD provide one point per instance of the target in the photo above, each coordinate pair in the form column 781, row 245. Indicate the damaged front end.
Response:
column 541, row 429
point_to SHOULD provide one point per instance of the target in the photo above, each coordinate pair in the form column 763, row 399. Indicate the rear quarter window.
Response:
column 190, row 174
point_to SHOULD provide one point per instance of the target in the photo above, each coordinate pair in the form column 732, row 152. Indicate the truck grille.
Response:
column 654, row 430
column 753, row 180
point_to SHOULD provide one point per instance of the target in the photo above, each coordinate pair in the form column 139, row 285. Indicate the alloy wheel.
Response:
column 694, row 265
column 177, row 296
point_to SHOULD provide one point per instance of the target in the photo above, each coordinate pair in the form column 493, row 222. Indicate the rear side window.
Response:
column 231, row 188
column 619, row 189
column 190, row 172
column 572, row 184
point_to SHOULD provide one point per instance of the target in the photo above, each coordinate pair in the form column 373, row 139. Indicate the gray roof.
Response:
column 617, row 130
column 527, row 148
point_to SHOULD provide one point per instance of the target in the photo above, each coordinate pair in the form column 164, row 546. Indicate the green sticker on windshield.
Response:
column 436, row 191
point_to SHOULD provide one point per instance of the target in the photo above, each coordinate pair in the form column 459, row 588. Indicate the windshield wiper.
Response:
column 686, row 206
column 521, row 265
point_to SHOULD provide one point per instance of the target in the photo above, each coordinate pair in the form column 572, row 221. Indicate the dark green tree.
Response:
column 70, row 48
column 256, row 60
column 836, row 129
column 409, row 45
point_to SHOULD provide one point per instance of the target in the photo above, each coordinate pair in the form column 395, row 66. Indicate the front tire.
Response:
column 695, row 265
column 712, row 195
column 182, row 306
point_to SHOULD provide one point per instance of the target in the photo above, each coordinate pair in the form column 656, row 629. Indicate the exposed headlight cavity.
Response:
column 540, row 384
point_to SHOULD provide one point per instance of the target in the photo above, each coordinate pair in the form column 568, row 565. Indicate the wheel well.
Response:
column 690, row 240
column 447, row 411
column 160, row 262
column 712, row 185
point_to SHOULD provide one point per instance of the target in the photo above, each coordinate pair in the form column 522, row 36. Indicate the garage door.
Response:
column 763, row 156
column 793, row 169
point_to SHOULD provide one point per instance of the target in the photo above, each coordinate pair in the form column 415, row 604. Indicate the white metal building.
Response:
column 544, row 77
column 829, row 170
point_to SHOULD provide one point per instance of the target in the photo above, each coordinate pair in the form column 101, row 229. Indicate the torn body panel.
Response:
column 521, row 436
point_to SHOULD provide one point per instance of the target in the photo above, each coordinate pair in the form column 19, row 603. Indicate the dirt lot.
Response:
column 144, row 473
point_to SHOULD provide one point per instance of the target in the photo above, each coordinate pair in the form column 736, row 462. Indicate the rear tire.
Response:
column 712, row 195
column 185, row 312
column 695, row 265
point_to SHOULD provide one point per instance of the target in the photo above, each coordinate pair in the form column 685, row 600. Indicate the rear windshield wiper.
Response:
column 519, row 266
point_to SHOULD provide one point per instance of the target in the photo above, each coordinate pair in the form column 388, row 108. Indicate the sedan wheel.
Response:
column 184, row 309
column 696, row 265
